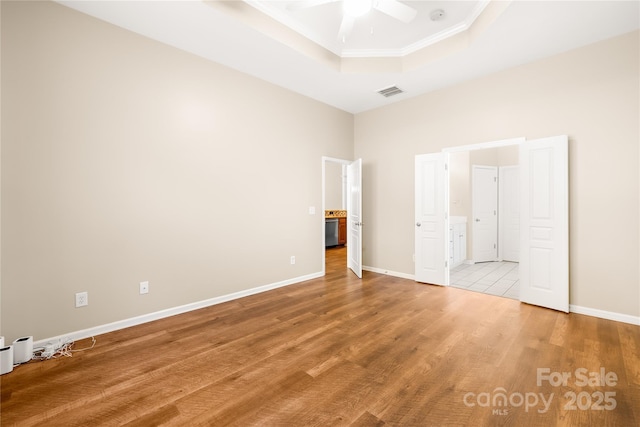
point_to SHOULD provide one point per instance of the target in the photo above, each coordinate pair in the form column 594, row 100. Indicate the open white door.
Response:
column 430, row 219
column 354, row 212
column 544, row 250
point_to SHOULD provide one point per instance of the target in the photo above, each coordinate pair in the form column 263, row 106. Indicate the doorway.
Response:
column 484, row 204
column 342, row 185
column 544, row 219
column 334, row 203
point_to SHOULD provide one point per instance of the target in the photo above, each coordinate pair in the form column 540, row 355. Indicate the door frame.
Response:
column 546, row 240
column 343, row 162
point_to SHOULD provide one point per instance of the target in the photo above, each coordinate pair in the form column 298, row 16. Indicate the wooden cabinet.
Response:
column 342, row 231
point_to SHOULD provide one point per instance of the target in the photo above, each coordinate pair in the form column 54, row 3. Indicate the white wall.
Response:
column 126, row 160
column 590, row 93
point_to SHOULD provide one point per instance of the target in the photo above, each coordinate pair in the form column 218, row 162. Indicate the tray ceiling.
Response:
column 310, row 60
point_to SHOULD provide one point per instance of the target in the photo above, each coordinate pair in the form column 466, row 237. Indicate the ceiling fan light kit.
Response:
column 356, row 8
column 352, row 9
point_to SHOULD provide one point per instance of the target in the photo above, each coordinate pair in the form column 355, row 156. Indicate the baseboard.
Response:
column 594, row 312
column 609, row 315
column 138, row 320
column 389, row 272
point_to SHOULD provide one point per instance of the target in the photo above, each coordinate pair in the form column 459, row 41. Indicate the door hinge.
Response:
column 446, row 166
column 446, row 264
column 495, row 179
column 494, row 246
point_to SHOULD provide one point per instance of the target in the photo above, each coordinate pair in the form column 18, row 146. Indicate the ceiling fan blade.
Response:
column 305, row 4
column 396, row 10
column 346, row 26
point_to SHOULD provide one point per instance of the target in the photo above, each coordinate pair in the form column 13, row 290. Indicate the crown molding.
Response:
column 286, row 20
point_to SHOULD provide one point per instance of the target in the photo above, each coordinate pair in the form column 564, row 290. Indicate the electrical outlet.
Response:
column 82, row 299
column 144, row 287
column 293, row 260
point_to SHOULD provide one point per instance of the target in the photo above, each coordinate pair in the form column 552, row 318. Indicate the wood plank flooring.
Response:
column 338, row 351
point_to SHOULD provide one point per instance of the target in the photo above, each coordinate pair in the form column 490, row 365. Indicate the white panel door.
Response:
column 354, row 213
column 484, row 201
column 431, row 246
column 544, row 250
column 509, row 213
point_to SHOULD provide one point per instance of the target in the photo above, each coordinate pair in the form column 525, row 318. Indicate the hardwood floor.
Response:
column 343, row 352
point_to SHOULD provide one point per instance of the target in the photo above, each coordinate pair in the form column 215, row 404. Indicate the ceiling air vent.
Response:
column 390, row 91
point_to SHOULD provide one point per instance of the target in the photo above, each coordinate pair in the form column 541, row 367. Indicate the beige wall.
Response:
column 460, row 163
column 499, row 156
column 126, row 160
column 459, row 184
column 590, row 93
column 0, row 170
column 333, row 185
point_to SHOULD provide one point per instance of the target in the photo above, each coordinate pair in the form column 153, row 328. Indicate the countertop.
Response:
column 335, row 214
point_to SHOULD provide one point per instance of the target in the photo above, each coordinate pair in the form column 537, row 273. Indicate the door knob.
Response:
column 477, row 219
column 418, row 224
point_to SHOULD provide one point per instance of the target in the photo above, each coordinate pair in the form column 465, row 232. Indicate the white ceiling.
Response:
column 376, row 33
column 234, row 34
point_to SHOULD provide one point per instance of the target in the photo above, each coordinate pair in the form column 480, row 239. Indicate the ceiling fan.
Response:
column 352, row 9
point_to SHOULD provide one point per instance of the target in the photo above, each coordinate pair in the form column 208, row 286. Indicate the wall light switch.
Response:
column 312, row 210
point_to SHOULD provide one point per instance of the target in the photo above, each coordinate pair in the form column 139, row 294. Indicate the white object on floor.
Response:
column 23, row 350
column 6, row 360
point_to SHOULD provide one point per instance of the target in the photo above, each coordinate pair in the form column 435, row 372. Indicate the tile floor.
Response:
column 494, row 278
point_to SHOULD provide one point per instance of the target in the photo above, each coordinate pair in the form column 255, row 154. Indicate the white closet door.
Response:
column 484, row 201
